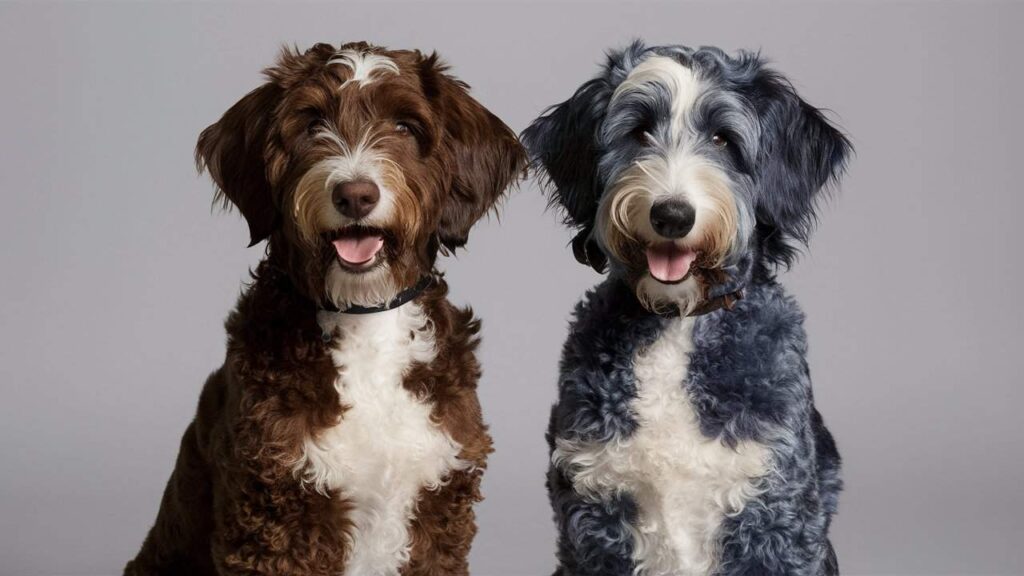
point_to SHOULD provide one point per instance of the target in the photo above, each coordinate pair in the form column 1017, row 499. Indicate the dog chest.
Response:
column 386, row 447
column 683, row 482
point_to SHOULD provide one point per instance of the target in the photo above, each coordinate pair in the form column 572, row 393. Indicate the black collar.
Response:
column 402, row 297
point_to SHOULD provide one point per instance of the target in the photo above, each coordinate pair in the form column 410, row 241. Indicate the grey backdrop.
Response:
column 116, row 276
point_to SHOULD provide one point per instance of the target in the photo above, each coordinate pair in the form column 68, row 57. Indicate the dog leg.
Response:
column 179, row 542
column 444, row 527
column 761, row 544
column 593, row 535
column 280, row 529
column 783, row 531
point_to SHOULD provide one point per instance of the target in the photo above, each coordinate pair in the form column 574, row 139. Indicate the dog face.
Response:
column 676, row 163
column 359, row 164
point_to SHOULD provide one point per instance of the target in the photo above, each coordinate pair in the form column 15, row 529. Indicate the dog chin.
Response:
column 660, row 297
column 370, row 284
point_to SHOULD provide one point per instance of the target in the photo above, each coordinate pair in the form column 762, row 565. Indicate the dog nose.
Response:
column 672, row 218
column 355, row 199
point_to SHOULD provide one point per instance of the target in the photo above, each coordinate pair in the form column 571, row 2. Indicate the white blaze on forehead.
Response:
column 682, row 83
column 363, row 65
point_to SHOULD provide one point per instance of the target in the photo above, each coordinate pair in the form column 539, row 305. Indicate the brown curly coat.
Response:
column 233, row 504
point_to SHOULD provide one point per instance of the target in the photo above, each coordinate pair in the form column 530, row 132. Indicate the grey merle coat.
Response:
column 690, row 444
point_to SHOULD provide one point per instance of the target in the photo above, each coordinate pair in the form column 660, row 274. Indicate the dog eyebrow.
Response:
column 363, row 65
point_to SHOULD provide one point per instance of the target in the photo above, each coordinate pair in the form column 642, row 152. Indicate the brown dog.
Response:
column 343, row 434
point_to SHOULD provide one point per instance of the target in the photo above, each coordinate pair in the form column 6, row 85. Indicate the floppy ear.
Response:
column 802, row 153
column 485, row 154
column 233, row 151
column 563, row 144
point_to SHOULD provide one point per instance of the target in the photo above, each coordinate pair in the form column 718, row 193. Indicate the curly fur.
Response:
column 360, row 453
column 689, row 445
column 748, row 388
column 234, row 504
column 380, row 474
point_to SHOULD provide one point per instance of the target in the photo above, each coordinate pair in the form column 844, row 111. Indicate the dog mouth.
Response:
column 669, row 263
column 359, row 248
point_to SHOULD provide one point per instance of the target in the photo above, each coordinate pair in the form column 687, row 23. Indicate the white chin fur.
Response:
column 659, row 297
column 375, row 287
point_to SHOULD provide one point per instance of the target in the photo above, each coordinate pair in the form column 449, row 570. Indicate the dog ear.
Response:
column 233, row 151
column 564, row 145
column 485, row 155
column 801, row 154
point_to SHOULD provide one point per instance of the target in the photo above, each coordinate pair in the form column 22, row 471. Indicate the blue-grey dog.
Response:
column 685, row 440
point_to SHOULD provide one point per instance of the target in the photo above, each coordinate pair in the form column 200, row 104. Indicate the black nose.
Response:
column 672, row 218
column 355, row 199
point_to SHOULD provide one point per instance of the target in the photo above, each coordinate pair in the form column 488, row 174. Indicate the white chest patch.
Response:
column 386, row 447
column 683, row 482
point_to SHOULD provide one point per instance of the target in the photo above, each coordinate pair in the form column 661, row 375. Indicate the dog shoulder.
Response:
column 456, row 332
column 748, row 369
column 767, row 319
column 607, row 322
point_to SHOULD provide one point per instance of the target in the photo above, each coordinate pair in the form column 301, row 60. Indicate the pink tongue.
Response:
column 358, row 250
column 668, row 262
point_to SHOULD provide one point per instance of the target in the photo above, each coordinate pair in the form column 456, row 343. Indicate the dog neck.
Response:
column 697, row 307
column 708, row 291
column 329, row 317
column 725, row 301
column 403, row 297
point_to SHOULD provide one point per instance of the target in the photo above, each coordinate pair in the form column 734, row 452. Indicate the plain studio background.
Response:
column 117, row 277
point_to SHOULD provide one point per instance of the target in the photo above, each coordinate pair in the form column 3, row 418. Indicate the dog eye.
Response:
column 719, row 141
column 314, row 126
column 403, row 128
